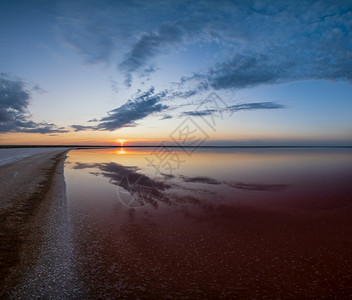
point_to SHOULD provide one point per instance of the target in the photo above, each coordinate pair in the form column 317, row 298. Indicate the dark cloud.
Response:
column 169, row 37
column 93, row 120
column 257, row 105
column 143, row 105
column 184, row 93
column 114, row 85
column 166, row 117
column 245, row 71
column 149, row 45
column 82, row 127
column 236, row 107
column 14, row 116
column 13, row 97
column 148, row 103
column 206, row 112
column 98, row 30
column 252, row 69
column 267, row 41
column 38, row 89
column 149, row 70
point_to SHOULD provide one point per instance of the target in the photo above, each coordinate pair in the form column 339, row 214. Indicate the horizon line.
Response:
column 174, row 146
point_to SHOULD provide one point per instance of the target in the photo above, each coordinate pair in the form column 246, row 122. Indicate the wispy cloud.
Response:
column 166, row 117
column 267, row 42
column 236, row 107
column 148, row 71
column 150, row 102
column 149, row 46
column 256, row 105
column 82, row 127
column 206, row 112
column 14, row 115
column 256, row 68
column 143, row 105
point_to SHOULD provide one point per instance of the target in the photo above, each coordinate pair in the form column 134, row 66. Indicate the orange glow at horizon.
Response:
column 121, row 151
column 121, row 141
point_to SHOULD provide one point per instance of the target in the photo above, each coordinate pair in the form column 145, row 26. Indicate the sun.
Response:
column 121, row 141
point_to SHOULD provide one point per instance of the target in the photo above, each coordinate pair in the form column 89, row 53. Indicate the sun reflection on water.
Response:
column 121, row 151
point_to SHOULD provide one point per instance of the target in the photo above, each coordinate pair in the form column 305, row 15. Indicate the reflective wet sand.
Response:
column 225, row 223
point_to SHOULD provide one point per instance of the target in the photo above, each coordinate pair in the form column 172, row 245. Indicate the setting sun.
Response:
column 121, row 141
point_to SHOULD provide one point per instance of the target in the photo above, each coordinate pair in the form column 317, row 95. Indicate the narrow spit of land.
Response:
column 33, row 223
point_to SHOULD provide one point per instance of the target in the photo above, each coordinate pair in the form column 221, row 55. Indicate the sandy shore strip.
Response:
column 34, row 225
column 9, row 155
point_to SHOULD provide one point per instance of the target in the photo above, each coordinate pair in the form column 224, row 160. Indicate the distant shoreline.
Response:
column 166, row 146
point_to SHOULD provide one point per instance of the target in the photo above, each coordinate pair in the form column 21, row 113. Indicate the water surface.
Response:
column 218, row 223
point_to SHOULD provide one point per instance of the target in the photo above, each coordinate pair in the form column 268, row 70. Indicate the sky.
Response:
column 185, row 72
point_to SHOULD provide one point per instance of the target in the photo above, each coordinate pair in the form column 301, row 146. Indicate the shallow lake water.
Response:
column 217, row 223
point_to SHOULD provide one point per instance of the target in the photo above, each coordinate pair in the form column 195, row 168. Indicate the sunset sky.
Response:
column 234, row 72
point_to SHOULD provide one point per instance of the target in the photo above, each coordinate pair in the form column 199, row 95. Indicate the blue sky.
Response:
column 94, row 71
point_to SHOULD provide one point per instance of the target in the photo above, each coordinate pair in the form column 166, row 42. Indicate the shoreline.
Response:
column 174, row 146
column 25, row 201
